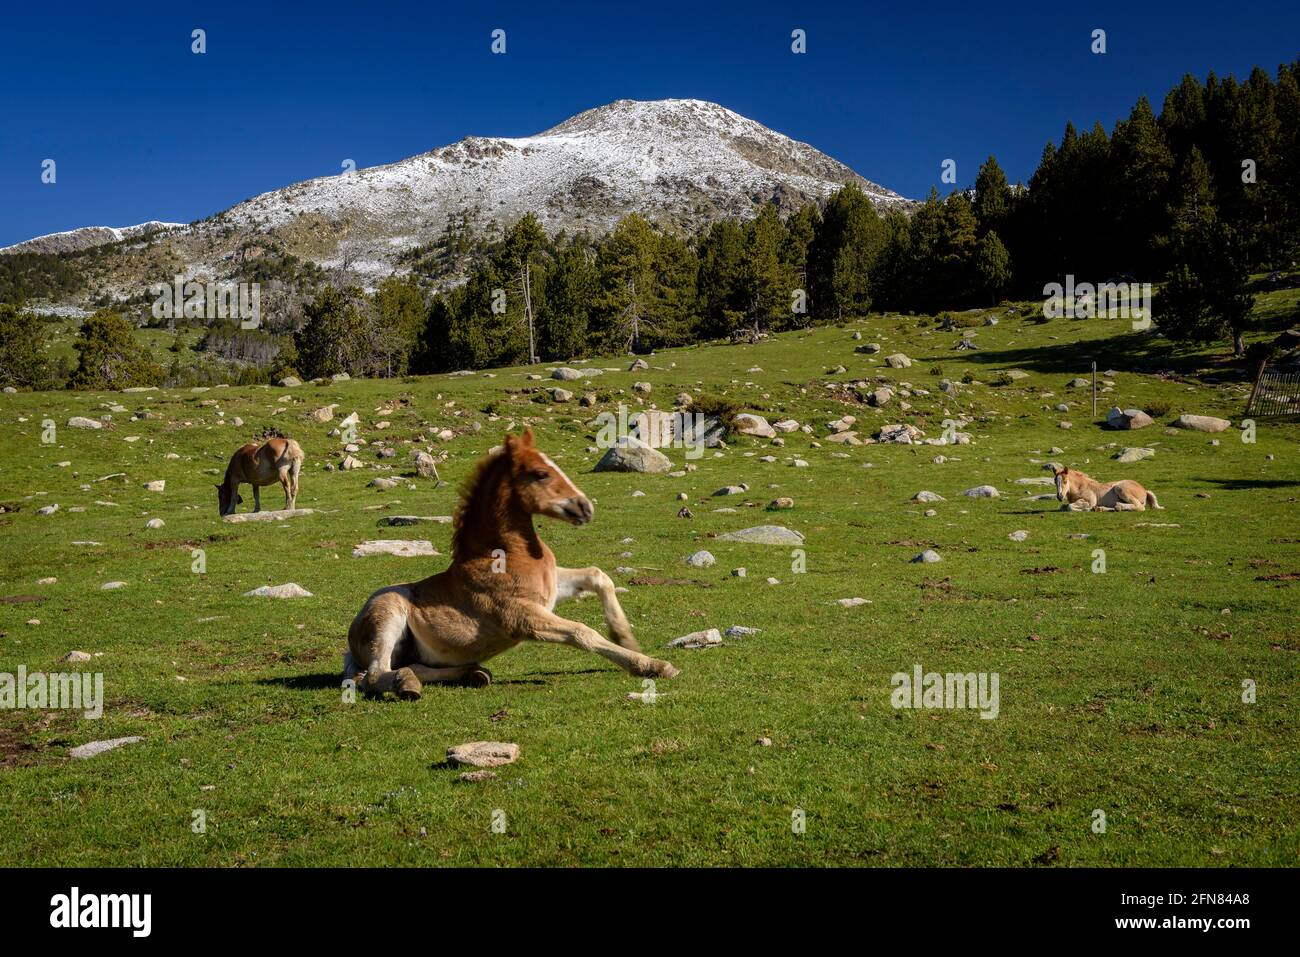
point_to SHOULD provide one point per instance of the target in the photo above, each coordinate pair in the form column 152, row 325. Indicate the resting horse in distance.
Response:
column 500, row 590
column 275, row 460
column 1081, row 492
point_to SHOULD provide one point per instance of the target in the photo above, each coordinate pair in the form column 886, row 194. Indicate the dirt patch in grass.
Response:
column 669, row 581
column 21, row 599
column 15, row 749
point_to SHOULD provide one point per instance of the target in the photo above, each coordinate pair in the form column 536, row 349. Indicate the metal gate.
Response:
column 1276, row 392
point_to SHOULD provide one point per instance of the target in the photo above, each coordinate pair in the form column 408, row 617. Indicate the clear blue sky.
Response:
column 142, row 129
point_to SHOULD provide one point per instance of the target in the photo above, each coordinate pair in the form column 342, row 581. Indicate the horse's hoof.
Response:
column 408, row 687
column 477, row 678
column 665, row 670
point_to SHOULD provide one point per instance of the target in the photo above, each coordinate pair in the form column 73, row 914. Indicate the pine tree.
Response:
column 626, row 263
column 110, row 356
column 721, row 252
column 992, row 197
column 570, row 288
column 517, row 254
column 331, row 338
column 22, row 359
column 993, row 266
column 766, row 280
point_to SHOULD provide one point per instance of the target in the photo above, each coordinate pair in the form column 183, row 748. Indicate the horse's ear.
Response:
column 510, row 445
column 526, row 440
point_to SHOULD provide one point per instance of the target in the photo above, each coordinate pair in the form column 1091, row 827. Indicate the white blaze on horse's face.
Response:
column 568, row 503
column 1060, row 486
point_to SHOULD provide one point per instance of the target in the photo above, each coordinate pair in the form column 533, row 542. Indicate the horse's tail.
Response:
column 1152, row 503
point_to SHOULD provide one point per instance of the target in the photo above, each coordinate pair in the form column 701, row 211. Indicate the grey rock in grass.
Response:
column 81, row 422
column 1201, row 423
column 395, row 521
column 852, row 602
column 981, row 491
column 764, row 535
column 112, row 586
column 484, row 754
column 633, row 455
column 700, row 559
column 565, row 374
column 927, row 557
column 1118, row 418
column 99, row 747
column 271, row 515
column 1127, row 456
column 747, row 423
column 1019, row 535
column 741, row 631
column 78, row 656
column 898, row 361
column 402, row 548
column 698, row 639
column 287, row 590
column 384, row 484
column 928, row 496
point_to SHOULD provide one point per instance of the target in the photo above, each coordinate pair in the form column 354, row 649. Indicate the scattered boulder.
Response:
column 1127, row 456
column 700, row 559
column 1118, row 418
column 764, row 535
column 78, row 656
column 697, row 639
column 290, row 382
column 1019, row 535
column 927, row 496
column 273, row 515
column 99, row 747
column 484, row 754
column 981, row 491
column 81, row 422
column 565, row 374
column 749, row 424
column 402, row 548
column 898, row 361
column 287, row 590
column 927, row 557
column 633, row 455
column 561, row 395
column 1201, row 423
column 425, row 465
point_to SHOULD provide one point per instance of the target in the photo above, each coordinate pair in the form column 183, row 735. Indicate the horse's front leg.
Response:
column 571, row 582
column 257, row 499
column 535, row 623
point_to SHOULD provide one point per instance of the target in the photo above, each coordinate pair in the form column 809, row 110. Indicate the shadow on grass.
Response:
column 1235, row 484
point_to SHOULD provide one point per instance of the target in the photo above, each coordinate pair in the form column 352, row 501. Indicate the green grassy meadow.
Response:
column 1119, row 691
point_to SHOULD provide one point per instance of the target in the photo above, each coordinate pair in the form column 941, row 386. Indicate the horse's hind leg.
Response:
column 286, row 484
column 257, row 499
column 571, row 582
column 383, row 626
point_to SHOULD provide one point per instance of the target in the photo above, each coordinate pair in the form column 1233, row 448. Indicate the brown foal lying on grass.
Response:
column 275, row 460
column 1081, row 492
column 500, row 589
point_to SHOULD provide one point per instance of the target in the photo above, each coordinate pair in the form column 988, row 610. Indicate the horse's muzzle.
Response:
column 578, row 510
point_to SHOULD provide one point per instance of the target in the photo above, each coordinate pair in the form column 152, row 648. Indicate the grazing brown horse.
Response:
column 275, row 460
column 499, row 591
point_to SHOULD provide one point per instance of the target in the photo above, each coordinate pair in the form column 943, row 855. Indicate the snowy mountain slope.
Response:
column 75, row 240
column 679, row 162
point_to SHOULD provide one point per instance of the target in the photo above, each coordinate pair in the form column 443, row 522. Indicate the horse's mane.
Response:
column 472, row 493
